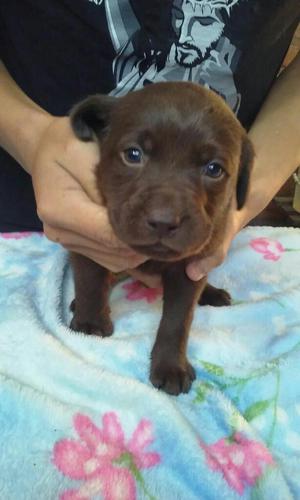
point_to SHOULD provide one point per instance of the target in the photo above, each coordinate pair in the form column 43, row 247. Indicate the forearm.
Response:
column 22, row 122
column 276, row 137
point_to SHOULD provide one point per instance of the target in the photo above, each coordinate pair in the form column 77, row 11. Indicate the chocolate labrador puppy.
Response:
column 173, row 157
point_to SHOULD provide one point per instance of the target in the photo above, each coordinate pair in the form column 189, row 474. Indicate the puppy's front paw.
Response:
column 172, row 378
column 103, row 327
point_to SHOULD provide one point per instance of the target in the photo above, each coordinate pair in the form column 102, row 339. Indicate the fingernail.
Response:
column 193, row 274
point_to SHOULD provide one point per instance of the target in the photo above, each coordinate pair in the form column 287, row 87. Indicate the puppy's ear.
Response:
column 246, row 164
column 91, row 117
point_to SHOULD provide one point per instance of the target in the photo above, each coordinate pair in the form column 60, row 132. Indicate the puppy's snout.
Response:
column 163, row 222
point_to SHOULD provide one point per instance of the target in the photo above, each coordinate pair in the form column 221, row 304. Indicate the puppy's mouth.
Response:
column 158, row 250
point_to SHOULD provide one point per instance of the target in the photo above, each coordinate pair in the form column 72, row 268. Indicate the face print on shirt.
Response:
column 198, row 51
column 197, row 24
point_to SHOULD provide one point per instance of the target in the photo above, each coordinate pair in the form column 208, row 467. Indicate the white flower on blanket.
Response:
column 103, row 461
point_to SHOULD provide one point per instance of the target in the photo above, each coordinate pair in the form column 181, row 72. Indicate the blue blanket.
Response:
column 80, row 420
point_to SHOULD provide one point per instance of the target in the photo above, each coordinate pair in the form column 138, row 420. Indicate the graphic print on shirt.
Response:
column 199, row 51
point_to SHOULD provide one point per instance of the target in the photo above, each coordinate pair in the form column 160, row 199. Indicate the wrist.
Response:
column 22, row 121
column 30, row 130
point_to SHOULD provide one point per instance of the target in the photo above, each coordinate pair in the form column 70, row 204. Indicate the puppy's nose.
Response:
column 163, row 222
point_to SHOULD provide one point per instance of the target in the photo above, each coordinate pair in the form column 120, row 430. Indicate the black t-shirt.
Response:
column 60, row 51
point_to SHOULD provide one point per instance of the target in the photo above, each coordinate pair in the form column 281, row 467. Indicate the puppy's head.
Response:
column 173, row 156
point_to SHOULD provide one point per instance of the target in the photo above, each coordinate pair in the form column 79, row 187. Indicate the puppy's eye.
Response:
column 213, row 170
column 132, row 156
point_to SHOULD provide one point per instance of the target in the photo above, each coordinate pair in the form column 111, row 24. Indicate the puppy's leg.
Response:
column 212, row 296
column 91, row 309
column 170, row 368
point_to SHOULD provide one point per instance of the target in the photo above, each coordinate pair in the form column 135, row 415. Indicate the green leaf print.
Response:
column 257, row 409
column 214, row 369
column 201, row 391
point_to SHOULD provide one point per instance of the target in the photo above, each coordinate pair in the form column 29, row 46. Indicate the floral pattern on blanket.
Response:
column 234, row 387
column 241, row 460
column 270, row 249
column 19, row 235
column 103, row 461
column 135, row 290
column 235, row 435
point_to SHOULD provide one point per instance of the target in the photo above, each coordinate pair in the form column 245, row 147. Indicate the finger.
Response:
column 194, row 272
column 152, row 281
column 69, row 239
column 113, row 263
column 85, row 177
column 79, row 159
column 83, row 157
column 199, row 268
column 69, row 208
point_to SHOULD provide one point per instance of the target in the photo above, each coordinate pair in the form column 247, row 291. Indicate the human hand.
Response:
column 200, row 267
column 72, row 212
column 68, row 202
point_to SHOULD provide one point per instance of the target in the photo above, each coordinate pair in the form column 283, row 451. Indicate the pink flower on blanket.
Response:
column 271, row 249
column 137, row 291
column 239, row 459
column 19, row 235
column 101, row 458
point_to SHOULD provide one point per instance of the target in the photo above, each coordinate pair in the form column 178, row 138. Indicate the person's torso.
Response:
column 60, row 51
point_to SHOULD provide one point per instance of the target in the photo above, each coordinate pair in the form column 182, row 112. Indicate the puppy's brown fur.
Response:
column 169, row 205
